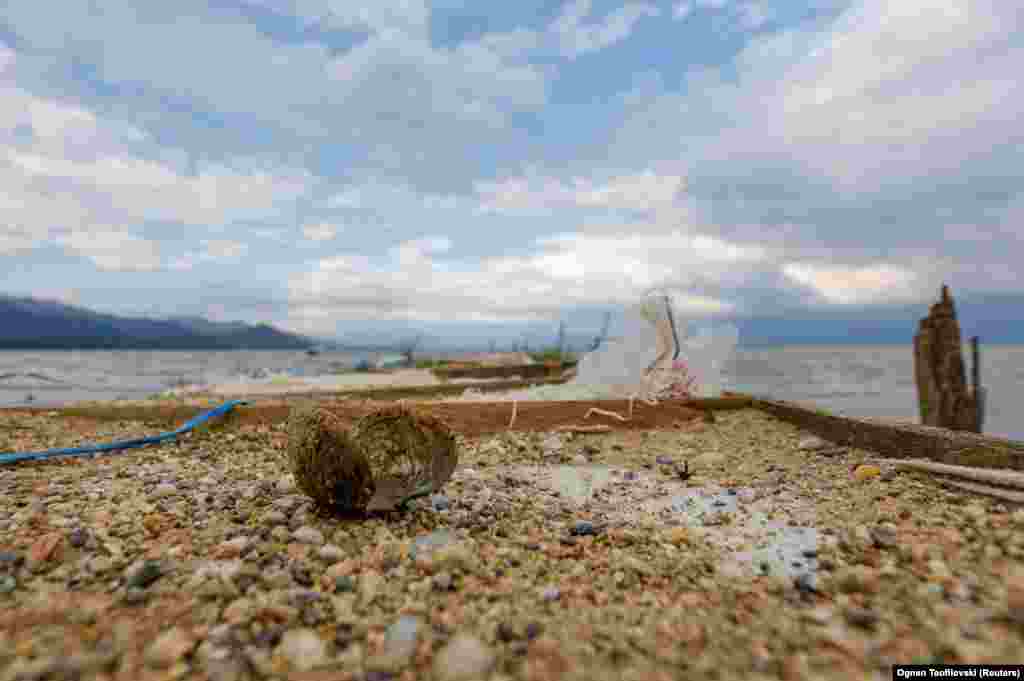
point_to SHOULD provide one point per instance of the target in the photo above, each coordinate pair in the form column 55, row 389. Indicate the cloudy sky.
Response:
column 327, row 165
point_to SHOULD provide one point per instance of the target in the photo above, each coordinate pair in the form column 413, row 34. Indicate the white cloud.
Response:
column 577, row 38
column 644, row 191
column 113, row 251
column 681, row 10
column 913, row 87
column 79, row 173
column 564, row 270
column 323, row 231
column 846, row 285
column 222, row 249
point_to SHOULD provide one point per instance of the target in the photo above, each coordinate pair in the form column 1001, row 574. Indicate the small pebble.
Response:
column 145, row 574
column 308, row 535
column 583, row 528
column 331, row 553
column 664, row 460
column 442, row 581
column 303, row 649
column 78, row 537
column 861, row 617
column 169, row 647
column 440, row 502
column 551, row 593
column 163, row 491
column 464, row 658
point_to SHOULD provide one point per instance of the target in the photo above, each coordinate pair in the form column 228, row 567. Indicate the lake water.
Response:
column 851, row 380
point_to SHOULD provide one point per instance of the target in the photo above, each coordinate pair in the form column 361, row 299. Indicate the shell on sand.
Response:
column 387, row 456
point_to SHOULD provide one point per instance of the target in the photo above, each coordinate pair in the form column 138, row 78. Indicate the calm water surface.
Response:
column 852, row 380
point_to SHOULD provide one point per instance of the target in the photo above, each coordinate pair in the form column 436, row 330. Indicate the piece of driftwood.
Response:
column 995, row 492
column 986, row 475
column 899, row 440
column 943, row 396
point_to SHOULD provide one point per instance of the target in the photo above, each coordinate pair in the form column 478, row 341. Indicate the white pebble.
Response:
column 465, row 657
column 303, row 649
column 308, row 535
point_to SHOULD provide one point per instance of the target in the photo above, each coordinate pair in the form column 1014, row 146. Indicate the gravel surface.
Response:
column 738, row 549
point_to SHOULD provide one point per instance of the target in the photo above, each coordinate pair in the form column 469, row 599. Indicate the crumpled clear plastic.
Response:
column 654, row 358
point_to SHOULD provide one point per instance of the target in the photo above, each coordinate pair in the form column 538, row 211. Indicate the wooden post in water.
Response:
column 979, row 392
column 943, row 396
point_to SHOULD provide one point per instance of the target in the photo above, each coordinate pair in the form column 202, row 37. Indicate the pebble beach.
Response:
column 632, row 554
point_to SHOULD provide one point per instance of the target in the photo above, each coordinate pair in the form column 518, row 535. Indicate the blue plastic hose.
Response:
column 15, row 457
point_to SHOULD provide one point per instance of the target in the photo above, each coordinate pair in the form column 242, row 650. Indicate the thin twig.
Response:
column 584, row 429
column 515, row 404
column 604, row 412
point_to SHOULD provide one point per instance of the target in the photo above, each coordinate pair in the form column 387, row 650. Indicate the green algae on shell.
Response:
column 327, row 463
column 389, row 456
column 409, row 453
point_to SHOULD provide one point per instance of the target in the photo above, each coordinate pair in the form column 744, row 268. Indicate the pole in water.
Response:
column 979, row 392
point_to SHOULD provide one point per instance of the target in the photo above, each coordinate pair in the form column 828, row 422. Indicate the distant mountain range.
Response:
column 28, row 323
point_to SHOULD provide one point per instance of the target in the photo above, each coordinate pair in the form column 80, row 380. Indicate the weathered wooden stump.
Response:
column 943, row 395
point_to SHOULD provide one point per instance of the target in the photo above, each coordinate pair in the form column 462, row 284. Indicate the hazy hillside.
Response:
column 27, row 323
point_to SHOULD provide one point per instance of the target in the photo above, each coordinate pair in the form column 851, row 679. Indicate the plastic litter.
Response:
column 653, row 358
column 15, row 457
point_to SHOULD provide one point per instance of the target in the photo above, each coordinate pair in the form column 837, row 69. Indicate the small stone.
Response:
column 280, row 534
column 10, row 560
column 233, row 548
column 303, row 649
column 426, row 544
column 344, row 584
column 442, row 581
column 77, row 537
column 44, row 548
column 884, row 535
column 274, row 518
column 861, row 617
column 368, row 587
column 439, row 502
column 811, row 443
column 308, row 535
column 163, row 490
column 286, row 484
column 583, row 528
column 145, row 574
column 1015, row 596
column 399, row 644
column 866, row 472
column 239, row 611
column 169, row 648
column 331, row 553
column 678, row 536
column 806, row 582
column 551, row 593
column 464, row 658
column 664, row 460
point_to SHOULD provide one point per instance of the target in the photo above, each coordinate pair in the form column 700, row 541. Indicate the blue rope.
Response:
column 123, row 444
